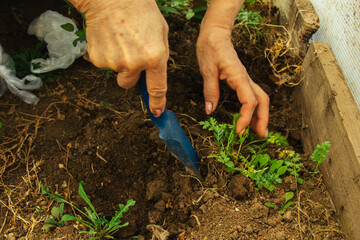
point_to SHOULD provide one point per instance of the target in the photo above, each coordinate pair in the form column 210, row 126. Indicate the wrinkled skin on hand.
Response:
column 129, row 36
column 128, row 45
column 218, row 60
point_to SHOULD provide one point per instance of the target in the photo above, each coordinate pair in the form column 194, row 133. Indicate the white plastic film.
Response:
column 340, row 27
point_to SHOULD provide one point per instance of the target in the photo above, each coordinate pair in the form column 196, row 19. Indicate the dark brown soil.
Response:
column 87, row 128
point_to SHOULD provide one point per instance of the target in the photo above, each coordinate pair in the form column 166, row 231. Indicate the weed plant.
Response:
column 23, row 59
column 250, row 21
column 180, row 7
column 249, row 156
column 283, row 206
column 98, row 227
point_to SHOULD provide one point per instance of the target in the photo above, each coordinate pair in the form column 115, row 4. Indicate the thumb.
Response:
column 211, row 91
column 157, row 87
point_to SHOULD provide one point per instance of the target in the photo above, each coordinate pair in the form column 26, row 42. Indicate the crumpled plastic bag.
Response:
column 17, row 86
column 62, row 53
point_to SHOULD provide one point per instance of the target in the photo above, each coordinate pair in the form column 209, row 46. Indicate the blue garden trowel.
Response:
column 171, row 132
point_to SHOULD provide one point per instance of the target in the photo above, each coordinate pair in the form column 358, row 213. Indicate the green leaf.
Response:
column 167, row 9
column 68, row 217
column 270, row 205
column 263, row 159
column 51, row 220
column 46, row 226
column 271, row 187
column 189, row 14
column 44, row 190
column 200, row 9
column 299, row 180
column 55, row 211
column 68, row 27
column 281, row 170
column 288, row 196
column 320, row 152
column 83, row 195
column 275, row 165
column 61, row 209
column 287, row 205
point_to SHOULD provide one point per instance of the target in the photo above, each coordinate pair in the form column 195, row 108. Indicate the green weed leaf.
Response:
column 55, row 211
column 83, row 195
column 67, row 217
column 288, row 196
column 52, row 221
column 46, row 226
column 68, row 27
column 319, row 154
column 281, row 170
column 270, row 205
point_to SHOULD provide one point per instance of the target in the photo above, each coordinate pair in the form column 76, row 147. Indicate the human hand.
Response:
column 218, row 60
column 129, row 36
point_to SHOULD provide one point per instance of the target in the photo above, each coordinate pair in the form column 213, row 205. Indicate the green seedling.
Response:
column 283, row 206
column 23, row 59
column 58, row 217
column 107, row 71
column 99, row 227
column 248, row 155
column 249, row 19
column 319, row 156
column 81, row 34
column 179, row 7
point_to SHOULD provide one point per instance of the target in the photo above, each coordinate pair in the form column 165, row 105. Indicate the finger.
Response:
column 260, row 120
column 238, row 79
column 211, row 89
column 128, row 79
column 157, row 87
column 249, row 103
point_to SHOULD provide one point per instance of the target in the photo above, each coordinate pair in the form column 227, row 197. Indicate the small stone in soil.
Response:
column 280, row 235
column 160, row 205
column 249, row 229
column 287, row 216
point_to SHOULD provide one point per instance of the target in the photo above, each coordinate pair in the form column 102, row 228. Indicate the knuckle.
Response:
column 264, row 99
column 252, row 102
column 154, row 55
column 157, row 92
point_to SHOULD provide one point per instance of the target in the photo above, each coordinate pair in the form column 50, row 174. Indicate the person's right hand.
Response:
column 129, row 36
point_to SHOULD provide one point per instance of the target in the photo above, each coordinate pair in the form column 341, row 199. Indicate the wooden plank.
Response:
column 301, row 21
column 329, row 112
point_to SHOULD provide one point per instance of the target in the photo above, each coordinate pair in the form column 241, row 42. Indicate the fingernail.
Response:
column 157, row 113
column 266, row 133
column 242, row 132
column 208, row 107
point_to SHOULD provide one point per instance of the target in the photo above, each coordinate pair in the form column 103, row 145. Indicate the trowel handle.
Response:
column 160, row 121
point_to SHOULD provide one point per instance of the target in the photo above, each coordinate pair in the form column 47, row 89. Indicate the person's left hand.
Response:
column 218, row 60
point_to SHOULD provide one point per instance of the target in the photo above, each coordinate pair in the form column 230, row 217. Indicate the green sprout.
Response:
column 319, row 156
column 58, row 217
column 249, row 156
column 98, row 227
column 23, row 60
column 283, row 206
column 180, row 7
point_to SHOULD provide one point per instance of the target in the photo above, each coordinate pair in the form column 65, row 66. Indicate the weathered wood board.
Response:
column 329, row 112
column 301, row 21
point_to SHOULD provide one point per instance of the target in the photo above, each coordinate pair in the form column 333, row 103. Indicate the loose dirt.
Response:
column 87, row 128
